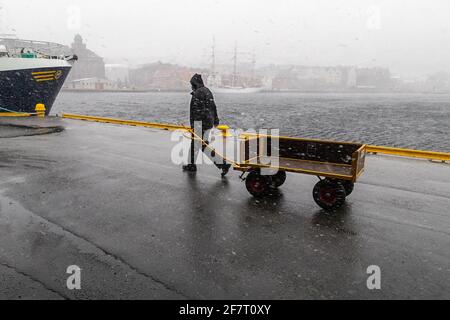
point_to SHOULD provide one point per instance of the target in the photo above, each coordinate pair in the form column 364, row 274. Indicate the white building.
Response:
column 90, row 84
column 118, row 73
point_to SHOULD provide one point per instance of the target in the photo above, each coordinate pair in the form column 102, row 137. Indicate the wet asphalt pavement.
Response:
column 109, row 200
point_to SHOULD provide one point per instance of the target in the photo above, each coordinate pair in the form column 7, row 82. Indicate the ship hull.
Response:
column 27, row 82
column 237, row 90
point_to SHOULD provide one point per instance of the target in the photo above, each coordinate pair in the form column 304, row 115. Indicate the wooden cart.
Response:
column 337, row 164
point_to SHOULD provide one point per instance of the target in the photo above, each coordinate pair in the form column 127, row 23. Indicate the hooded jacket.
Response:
column 203, row 106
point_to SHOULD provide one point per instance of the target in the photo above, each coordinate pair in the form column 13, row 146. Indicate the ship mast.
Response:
column 235, row 65
column 253, row 65
column 213, row 58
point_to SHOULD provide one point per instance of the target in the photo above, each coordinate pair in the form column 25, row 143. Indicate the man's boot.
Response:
column 190, row 168
column 225, row 169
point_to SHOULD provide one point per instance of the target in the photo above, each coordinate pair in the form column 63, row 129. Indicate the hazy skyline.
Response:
column 411, row 38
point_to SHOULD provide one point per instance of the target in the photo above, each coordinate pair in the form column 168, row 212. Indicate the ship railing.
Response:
column 47, row 50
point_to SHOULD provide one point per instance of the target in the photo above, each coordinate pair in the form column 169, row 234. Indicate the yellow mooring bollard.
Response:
column 225, row 130
column 40, row 110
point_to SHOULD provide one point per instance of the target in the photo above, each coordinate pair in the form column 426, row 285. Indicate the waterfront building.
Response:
column 118, row 74
column 90, row 84
column 89, row 65
column 163, row 77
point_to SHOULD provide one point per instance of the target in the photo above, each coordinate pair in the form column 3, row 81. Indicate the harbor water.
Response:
column 417, row 121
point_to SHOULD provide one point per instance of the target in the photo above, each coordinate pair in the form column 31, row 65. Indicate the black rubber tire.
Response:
column 348, row 186
column 258, row 185
column 329, row 195
column 279, row 179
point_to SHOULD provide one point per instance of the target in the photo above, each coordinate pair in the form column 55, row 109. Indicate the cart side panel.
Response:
column 359, row 161
column 317, row 151
column 243, row 153
column 249, row 149
column 263, row 146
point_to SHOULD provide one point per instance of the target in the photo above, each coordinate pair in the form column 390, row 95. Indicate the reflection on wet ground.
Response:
column 110, row 199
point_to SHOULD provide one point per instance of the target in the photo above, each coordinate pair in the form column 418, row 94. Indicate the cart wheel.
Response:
column 258, row 185
column 329, row 195
column 348, row 186
column 279, row 179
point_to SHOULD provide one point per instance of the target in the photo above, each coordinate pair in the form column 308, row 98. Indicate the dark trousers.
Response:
column 196, row 145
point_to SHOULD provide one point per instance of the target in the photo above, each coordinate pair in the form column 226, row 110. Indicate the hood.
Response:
column 197, row 82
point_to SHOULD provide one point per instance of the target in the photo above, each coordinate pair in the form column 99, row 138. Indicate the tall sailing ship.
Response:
column 215, row 80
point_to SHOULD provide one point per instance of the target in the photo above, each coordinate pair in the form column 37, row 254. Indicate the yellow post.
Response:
column 224, row 128
column 40, row 110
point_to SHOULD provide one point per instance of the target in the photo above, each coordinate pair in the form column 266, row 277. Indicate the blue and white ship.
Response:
column 31, row 72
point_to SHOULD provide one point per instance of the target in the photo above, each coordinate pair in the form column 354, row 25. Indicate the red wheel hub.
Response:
column 257, row 186
column 327, row 195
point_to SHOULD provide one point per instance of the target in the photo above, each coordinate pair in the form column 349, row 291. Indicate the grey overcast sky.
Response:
column 411, row 37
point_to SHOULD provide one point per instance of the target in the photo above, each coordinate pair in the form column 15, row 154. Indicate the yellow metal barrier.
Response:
column 162, row 126
column 13, row 114
column 430, row 155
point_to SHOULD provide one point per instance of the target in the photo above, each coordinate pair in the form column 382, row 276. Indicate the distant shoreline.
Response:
column 265, row 91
